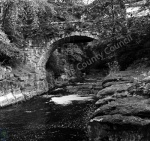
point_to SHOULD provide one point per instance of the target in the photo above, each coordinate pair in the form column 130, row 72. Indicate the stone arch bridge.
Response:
column 33, row 80
column 37, row 56
column 69, row 32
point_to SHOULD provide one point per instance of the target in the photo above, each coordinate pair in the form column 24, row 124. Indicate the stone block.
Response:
column 16, row 91
column 26, row 94
column 19, row 97
column 41, row 85
column 3, row 101
column 10, row 98
column 29, row 89
column 33, row 93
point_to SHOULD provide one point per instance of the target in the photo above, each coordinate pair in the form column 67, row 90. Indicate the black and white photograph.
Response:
column 74, row 70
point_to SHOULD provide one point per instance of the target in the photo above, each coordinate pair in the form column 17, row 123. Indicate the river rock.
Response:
column 125, row 119
column 119, row 128
column 141, row 89
column 124, row 110
column 121, row 120
column 108, row 91
column 108, row 84
column 105, row 100
column 117, row 78
column 110, row 79
column 121, row 95
column 136, row 106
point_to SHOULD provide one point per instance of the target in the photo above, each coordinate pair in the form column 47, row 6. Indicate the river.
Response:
column 59, row 116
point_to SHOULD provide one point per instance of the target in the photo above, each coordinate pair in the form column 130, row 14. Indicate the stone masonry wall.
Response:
column 26, row 81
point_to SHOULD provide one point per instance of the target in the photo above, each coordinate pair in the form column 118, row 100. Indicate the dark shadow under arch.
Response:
column 74, row 39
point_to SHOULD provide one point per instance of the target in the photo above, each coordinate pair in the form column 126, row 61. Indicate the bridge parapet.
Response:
column 74, row 26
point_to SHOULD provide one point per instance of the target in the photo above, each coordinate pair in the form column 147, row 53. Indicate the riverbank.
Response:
column 123, row 108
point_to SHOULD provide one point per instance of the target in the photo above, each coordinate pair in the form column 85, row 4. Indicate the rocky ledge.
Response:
column 19, row 85
column 123, row 108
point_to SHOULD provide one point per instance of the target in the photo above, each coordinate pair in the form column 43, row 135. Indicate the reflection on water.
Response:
column 65, row 100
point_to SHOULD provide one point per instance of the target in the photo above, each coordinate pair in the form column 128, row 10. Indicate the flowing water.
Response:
column 49, row 118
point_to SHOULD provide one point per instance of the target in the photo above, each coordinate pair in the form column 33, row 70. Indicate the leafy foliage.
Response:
column 9, row 49
column 23, row 19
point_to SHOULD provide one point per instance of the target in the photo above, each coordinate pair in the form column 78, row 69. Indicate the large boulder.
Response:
column 125, row 119
column 136, row 106
column 119, row 128
column 123, row 111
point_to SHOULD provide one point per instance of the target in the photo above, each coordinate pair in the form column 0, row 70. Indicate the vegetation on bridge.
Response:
column 21, row 20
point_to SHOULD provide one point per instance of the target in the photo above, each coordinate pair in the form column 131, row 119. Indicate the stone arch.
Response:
column 52, row 45
column 46, row 52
